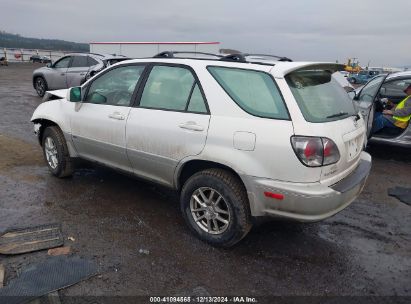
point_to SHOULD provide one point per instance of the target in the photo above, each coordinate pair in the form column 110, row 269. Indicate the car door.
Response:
column 169, row 123
column 98, row 123
column 57, row 75
column 77, row 70
column 367, row 98
column 393, row 89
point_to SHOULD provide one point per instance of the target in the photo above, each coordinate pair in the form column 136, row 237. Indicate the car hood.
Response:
column 56, row 94
column 40, row 70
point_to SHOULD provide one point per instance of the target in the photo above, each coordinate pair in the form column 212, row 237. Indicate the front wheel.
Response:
column 40, row 85
column 56, row 153
column 215, row 206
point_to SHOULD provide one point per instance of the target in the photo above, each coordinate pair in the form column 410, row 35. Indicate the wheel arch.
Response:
column 44, row 123
column 193, row 166
column 35, row 76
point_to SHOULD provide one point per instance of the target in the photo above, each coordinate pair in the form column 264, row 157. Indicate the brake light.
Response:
column 331, row 153
column 315, row 151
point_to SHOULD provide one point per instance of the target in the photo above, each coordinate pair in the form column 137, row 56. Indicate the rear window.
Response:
column 254, row 91
column 320, row 97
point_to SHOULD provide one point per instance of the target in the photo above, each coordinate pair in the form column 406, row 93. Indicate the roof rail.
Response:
column 170, row 54
column 240, row 57
column 234, row 57
column 243, row 57
column 280, row 58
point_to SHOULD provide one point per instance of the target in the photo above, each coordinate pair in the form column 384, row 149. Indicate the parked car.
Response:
column 3, row 61
column 40, row 59
column 71, row 70
column 236, row 139
column 362, row 77
column 371, row 99
column 345, row 74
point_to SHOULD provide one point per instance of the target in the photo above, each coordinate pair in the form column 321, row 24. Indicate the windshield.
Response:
column 369, row 91
column 319, row 96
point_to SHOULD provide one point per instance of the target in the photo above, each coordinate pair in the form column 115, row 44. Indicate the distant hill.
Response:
column 8, row 40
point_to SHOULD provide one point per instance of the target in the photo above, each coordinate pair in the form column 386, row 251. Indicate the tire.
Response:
column 40, row 85
column 232, row 206
column 56, row 153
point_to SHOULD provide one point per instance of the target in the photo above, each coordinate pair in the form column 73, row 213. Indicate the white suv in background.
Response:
column 238, row 136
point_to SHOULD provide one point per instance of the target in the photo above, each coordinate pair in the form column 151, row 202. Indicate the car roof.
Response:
column 100, row 56
column 399, row 74
column 278, row 68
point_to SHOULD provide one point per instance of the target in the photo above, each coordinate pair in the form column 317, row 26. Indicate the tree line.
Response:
column 8, row 40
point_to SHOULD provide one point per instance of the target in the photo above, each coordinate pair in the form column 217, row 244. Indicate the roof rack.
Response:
column 170, row 54
column 243, row 57
column 240, row 57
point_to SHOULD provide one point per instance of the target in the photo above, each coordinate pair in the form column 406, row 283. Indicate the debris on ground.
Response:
column 70, row 238
column 144, row 251
column 23, row 240
column 59, row 251
column 2, row 273
column 41, row 279
column 401, row 193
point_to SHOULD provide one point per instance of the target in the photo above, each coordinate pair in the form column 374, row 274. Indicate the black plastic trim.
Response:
column 356, row 177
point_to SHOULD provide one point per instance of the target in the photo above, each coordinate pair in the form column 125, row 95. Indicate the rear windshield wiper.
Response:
column 337, row 115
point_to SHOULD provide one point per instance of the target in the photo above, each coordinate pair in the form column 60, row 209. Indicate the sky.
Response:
column 377, row 32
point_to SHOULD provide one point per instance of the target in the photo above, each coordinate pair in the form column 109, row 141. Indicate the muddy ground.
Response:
column 364, row 250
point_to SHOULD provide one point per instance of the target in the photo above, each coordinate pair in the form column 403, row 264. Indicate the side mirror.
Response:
column 352, row 95
column 74, row 94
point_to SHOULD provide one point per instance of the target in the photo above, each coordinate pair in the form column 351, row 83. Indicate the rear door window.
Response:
column 91, row 61
column 79, row 62
column 319, row 96
column 253, row 91
column 172, row 88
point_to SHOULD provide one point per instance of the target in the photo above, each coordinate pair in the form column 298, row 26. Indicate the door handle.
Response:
column 191, row 125
column 116, row 115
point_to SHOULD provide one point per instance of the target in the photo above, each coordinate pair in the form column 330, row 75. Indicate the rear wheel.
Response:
column 56, row 153
column 215, row 206
column 40, row 85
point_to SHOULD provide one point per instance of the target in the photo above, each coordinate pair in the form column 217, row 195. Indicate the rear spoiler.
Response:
column 301, row 66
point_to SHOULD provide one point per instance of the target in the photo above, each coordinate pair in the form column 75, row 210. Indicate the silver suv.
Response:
column 238, row 137
column 71, row 70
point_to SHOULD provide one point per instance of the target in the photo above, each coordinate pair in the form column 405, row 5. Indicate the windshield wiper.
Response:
column 337, row 115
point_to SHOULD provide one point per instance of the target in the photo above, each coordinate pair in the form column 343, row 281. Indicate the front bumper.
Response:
column 310, row 201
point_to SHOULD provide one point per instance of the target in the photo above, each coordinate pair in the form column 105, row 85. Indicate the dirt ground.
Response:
column 364, row 250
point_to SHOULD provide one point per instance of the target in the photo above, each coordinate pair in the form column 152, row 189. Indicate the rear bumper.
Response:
column 310, row 201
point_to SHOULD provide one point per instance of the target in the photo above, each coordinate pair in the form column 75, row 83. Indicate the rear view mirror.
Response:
column 74, row 94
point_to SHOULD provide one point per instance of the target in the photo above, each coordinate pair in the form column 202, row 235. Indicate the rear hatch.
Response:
column 328, row 113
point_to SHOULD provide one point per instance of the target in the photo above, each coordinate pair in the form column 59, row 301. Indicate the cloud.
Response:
column 310, row 30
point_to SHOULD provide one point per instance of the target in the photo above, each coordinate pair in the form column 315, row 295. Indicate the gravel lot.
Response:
column 364, row 250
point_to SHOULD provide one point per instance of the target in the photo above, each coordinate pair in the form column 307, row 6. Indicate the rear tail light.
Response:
column 315, row 151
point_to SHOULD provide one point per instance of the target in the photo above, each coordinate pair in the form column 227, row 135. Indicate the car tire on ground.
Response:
column 40, row 85
column 215, row 206
column 56, row 153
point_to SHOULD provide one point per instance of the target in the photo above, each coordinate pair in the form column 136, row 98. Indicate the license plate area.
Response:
column 354, row 147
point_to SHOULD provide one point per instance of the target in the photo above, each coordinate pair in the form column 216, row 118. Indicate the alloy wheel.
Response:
column 50, row 150
column 210, row 210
